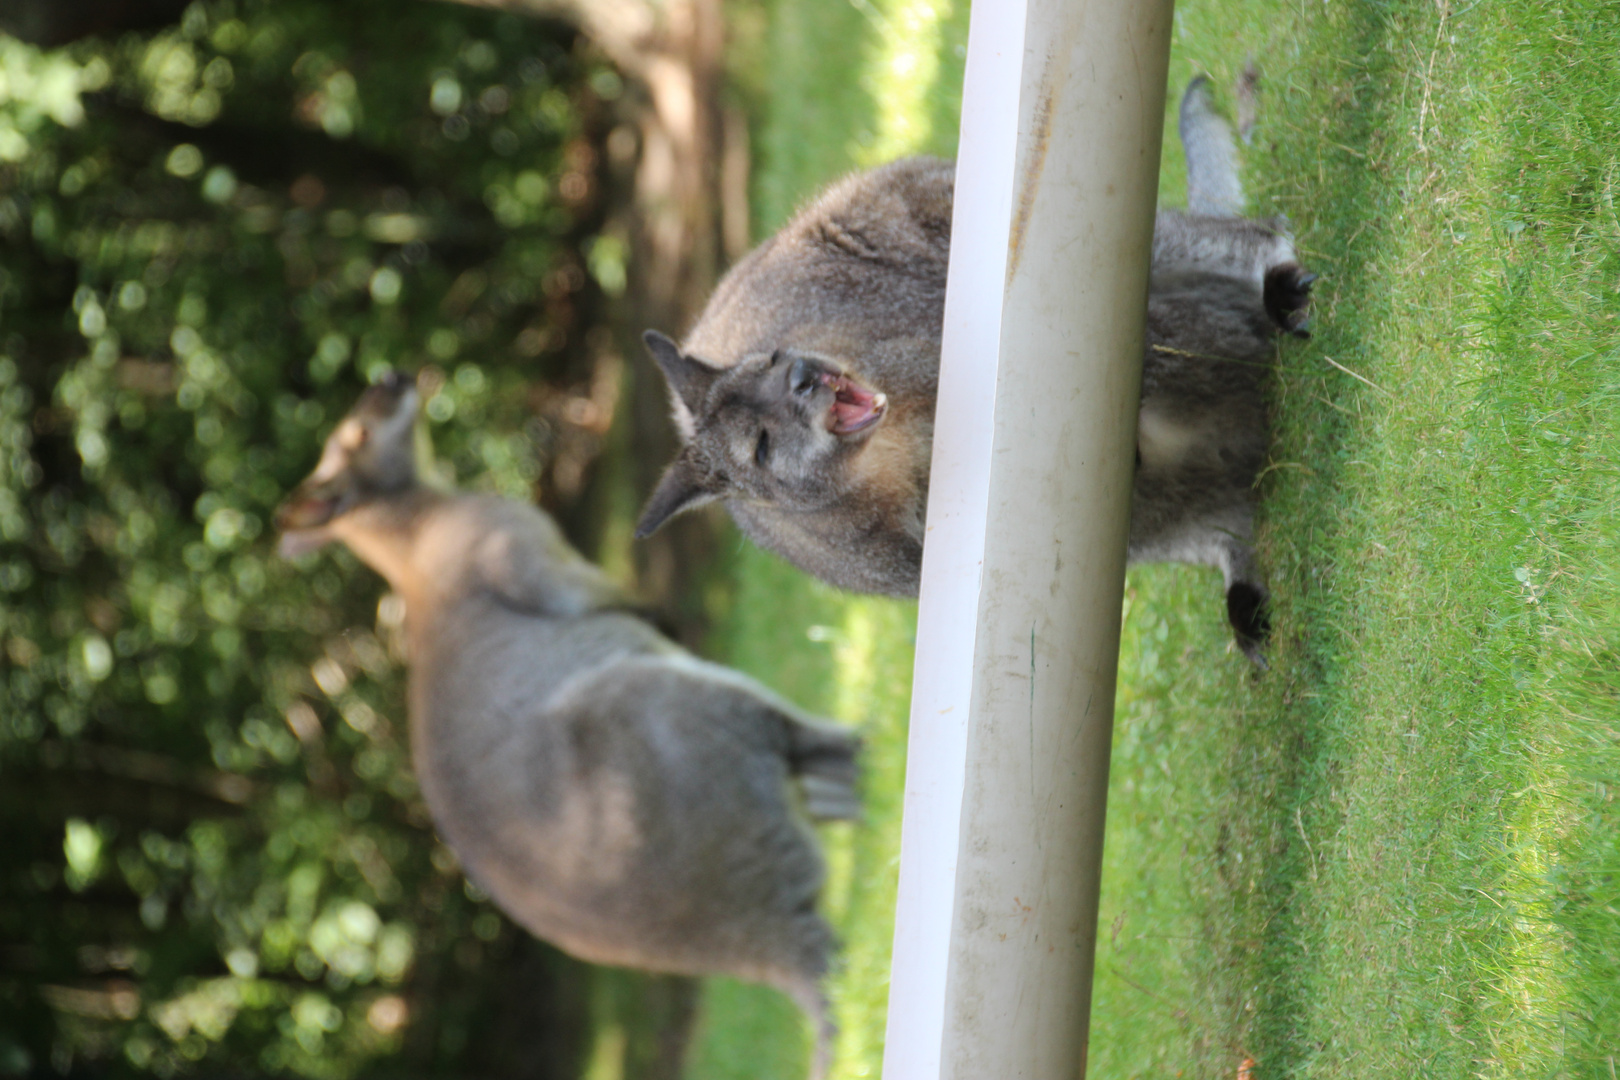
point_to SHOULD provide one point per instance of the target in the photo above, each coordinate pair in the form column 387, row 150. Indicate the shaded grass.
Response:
column 1397, row 853
column 1467, row 569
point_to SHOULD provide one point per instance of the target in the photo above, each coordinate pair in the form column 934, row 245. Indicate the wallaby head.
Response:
column 773, row 428
column 370, row 454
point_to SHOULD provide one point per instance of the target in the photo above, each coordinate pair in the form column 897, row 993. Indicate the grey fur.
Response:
column 615, row 795
column 854, row 287
column 1213, row 187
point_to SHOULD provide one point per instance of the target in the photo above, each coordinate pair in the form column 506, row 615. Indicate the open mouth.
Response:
column 854, row 407
column 305, row 512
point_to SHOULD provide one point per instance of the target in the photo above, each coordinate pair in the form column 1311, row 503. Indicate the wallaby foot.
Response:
column 829, row 799
column 1251, row 622
column 823, row 758
column 821, row 1060
column 1287, row 294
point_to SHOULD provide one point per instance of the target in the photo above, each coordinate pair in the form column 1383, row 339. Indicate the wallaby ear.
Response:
column 681, row 489
column 689, row 378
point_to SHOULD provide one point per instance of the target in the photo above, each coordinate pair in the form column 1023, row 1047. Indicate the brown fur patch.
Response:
column 886, row 471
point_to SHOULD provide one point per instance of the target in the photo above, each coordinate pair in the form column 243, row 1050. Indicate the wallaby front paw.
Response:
column 1287, row 295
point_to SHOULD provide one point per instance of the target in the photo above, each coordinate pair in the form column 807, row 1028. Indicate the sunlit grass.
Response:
column 1397, row 853
column 901, row 74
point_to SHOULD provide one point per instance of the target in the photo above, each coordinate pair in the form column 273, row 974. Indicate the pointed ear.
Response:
column 689, row 378
column 681, row 489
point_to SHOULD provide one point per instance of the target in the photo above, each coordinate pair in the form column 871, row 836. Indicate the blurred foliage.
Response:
column 215, row 857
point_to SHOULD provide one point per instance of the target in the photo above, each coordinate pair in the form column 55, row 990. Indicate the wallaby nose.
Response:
column 803, row 376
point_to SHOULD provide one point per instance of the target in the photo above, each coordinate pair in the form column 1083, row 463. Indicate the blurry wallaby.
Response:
column 804, row 395
column 615, row 795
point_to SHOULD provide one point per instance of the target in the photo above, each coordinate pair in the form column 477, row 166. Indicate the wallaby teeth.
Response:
column 880, row 400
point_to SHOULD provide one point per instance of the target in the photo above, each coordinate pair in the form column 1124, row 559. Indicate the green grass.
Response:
column 1396, row 854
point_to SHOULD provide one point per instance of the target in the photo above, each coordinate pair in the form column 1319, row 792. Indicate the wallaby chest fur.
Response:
column 860, row 275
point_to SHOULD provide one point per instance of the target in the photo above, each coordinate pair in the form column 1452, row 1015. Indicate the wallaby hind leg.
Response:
column 1242, row 248
column 807, row 994
column 1213, row 185
column 1213, row 237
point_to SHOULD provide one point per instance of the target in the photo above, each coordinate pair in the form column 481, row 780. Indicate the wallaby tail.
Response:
column 808, row 995
column 1213, row 184
column 823, row 758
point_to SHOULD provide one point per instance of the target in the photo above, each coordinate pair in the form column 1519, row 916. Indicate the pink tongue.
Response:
column 851, row 406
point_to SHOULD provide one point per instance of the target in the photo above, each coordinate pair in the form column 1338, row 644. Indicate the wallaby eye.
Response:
column 762, row 450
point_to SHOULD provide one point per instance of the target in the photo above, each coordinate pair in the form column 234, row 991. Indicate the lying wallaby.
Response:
column 805, row 393
column 614, row 794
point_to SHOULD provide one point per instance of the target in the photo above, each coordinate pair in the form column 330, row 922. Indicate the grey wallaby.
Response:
column 804, row 395
column 615, row 795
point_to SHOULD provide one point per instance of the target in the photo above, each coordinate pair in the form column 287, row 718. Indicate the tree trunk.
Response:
column 670, row 53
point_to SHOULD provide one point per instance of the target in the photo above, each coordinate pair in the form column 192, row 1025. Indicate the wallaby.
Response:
column 615, row 795
column 804, row 395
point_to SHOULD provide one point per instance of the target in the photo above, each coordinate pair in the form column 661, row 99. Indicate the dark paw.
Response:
column 1251, row 622
column 1287, row 294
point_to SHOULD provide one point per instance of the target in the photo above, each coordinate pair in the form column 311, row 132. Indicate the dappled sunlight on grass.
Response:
column 901, row 73
column 874, row 664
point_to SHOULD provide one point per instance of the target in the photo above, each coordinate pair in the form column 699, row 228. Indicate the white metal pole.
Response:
column 1023, row 568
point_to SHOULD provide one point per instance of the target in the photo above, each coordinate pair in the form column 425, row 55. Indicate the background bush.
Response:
column 210, row 237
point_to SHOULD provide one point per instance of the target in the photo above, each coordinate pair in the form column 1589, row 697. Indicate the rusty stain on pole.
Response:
column 1040, row 138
